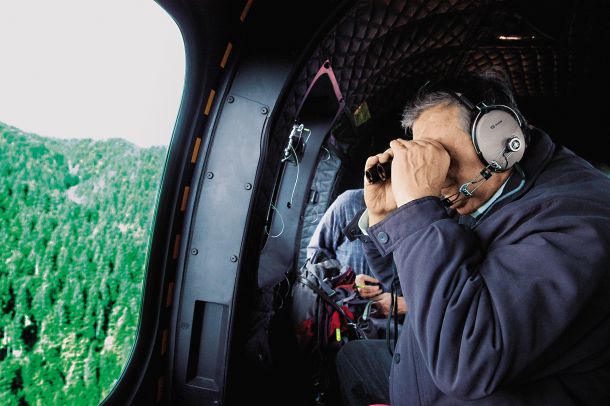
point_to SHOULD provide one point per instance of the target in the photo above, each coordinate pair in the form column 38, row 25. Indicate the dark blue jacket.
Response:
column 514, row 309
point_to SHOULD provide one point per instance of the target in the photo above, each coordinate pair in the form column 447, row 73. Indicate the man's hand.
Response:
column 378, row 197
column 419, row 169
column 373, row 289
column 383, row 302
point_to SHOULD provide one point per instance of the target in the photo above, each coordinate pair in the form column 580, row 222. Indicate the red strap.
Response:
column 335, row 320
column 335, row 323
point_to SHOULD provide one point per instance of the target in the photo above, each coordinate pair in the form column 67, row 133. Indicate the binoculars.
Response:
column 379, row 172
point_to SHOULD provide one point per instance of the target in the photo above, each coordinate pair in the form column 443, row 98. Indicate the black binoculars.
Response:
column 379, row 172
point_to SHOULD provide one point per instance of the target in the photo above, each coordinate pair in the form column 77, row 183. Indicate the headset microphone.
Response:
column 513, row 145
column 448, row 201
column 484, row 175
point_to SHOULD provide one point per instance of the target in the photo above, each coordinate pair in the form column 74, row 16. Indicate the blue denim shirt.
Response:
column 329, row 236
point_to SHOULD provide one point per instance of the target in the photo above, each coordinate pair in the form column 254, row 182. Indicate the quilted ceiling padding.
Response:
column 381, row 51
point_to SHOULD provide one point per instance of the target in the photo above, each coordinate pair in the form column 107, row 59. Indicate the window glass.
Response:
column 89, row 94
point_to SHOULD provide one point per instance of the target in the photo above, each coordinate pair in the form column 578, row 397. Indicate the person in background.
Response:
column 330, row 240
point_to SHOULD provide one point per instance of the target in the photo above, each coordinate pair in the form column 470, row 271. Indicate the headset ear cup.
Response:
column 498, row 137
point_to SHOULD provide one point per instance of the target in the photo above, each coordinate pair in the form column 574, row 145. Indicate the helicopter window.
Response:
column 87, row 109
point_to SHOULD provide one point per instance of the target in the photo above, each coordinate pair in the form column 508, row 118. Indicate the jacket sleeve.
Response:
column 381, row 266
column 322, row 237
column 483, row 314
column 328, row 233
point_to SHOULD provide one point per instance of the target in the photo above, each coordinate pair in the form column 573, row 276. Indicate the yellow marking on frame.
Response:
column 226, row 55
column 177, row 246
column 185, row 197
column 160, row 388
column 208, row 106
column 170, row 294
column 196, row 150
column 244, row 12
column 164, row 342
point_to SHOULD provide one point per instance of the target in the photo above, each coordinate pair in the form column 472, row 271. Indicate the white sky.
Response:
column 90, row 69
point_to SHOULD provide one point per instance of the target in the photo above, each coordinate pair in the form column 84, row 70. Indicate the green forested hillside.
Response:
column 75, row 225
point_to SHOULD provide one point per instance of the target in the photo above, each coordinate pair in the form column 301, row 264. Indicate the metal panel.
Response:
column 210, row 273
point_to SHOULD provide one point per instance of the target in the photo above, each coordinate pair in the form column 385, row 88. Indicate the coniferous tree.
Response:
column 75, row 220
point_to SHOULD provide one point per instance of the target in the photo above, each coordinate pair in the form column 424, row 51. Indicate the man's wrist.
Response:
column 363, row 222
column 402, row 306
column 375, row 218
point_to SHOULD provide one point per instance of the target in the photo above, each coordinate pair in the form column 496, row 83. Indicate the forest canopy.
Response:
column 76, row 219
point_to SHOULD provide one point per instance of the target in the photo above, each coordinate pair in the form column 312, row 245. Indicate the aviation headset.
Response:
column 498, row 132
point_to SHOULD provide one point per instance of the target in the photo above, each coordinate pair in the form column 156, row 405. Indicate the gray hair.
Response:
column 491, row 85
column 415, row 108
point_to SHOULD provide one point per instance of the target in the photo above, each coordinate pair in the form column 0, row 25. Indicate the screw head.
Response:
column 264, row 110
column 230, row 99
column 248, row 186
column 194, row 251
column 514, row 144
column 233, row 258
column 210, row 175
